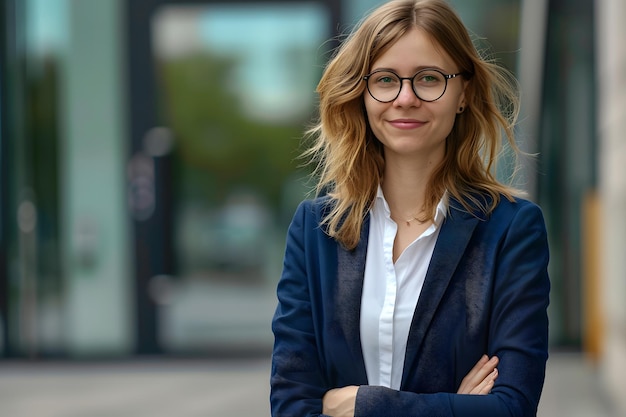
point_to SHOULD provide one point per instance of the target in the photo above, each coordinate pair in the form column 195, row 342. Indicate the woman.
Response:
column 416, row 272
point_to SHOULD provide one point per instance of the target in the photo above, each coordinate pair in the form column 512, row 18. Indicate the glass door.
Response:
column 235, row 90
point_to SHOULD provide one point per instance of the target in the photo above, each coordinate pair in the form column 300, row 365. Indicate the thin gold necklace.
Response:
column 408, row 222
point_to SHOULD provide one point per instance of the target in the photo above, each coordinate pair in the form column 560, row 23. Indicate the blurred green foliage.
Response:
column 218, row 147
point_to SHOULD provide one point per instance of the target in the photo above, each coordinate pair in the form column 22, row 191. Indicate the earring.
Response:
column 461, row 109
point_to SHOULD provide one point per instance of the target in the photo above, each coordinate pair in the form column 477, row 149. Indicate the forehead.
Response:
column 416, row 49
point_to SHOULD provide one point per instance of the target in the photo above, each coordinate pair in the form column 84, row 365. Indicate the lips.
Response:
column 406, row 123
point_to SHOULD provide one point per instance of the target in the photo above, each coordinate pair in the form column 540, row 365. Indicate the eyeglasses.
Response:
column 428, row 84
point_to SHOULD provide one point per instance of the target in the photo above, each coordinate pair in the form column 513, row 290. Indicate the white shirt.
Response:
column 391, row 291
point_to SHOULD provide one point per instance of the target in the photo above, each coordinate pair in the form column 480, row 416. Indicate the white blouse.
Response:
column 391, row 291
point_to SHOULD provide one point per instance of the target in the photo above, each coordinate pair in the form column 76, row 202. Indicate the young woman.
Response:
column 415, row 272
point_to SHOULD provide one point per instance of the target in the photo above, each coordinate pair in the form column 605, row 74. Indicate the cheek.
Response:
column 460, row 98
column 372, row 112
column 446, row 117
column 370, row 107
column 449, row 117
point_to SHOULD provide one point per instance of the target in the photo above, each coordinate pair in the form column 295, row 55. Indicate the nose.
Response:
column 407, row 96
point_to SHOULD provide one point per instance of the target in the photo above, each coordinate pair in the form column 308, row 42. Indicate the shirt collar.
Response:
column 440, row 212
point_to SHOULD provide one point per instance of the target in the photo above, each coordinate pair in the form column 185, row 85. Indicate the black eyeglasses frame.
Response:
column 411, row 79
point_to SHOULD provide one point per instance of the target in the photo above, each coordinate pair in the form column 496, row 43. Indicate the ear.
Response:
column 461, row 108
column 462, row 105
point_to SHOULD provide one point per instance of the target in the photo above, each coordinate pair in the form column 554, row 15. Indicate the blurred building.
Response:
column 611, row 111
column 148, row 166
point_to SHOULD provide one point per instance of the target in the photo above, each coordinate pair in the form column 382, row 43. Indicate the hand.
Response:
column 340, row 402
column 481, row 378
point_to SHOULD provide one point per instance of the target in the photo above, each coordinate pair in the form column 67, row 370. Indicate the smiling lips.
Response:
column 406, row 123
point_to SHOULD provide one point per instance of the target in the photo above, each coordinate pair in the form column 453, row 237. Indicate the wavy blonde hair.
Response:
column 349, row 159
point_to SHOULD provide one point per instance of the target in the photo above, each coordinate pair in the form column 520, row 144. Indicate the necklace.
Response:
column 408, row 221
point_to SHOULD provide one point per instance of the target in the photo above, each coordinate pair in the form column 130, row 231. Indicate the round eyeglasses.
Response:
column 428, row 84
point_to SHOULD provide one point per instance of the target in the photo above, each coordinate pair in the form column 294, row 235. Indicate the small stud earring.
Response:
column 461, row 109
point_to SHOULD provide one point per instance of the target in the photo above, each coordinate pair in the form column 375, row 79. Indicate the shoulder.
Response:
column 316, row 203
column 476, row 206
column 519, row 216
column 517, row 207
column 316, row 208
column 307, row 232
column 505, row 216
column 310, row 214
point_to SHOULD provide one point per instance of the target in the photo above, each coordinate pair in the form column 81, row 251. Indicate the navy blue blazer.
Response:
column 486, row 292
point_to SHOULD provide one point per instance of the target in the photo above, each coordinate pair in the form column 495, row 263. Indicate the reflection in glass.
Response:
column 236, row 88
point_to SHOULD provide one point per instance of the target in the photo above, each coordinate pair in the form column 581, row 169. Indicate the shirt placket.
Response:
column 386, row 324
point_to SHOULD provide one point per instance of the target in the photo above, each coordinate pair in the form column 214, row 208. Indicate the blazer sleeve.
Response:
column 297, row 380
column 518, row 335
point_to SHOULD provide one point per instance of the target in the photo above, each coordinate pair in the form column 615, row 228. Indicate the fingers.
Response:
column 472, row 378
column 481, row 377
column 340, row 402
column 486, row 384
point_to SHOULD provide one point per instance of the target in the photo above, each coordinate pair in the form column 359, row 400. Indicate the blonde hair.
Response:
column 349, row 159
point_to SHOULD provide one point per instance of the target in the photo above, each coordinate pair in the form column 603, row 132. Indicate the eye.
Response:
column 384, row 79
column 429, row 79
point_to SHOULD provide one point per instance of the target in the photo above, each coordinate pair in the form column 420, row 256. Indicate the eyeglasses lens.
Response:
column 385, row 86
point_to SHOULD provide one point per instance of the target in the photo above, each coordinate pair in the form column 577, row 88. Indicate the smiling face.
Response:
column 408, row 125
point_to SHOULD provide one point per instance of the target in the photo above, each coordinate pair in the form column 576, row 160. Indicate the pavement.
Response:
column 218, row 387
column 573, row 388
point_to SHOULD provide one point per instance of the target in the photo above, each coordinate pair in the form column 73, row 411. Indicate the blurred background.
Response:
column 149, row 170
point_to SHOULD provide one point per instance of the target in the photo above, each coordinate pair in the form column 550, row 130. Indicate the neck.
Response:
column 404, row 187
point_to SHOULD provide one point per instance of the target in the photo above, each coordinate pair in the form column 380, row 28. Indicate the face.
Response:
column 408, row 125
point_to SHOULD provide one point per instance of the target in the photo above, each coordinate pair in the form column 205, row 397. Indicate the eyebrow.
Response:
column 415, row 70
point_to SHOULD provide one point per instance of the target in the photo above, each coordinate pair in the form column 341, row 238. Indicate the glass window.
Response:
column 236, row 88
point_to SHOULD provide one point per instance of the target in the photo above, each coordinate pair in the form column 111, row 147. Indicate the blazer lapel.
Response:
column 454, row 236
column 349, row 287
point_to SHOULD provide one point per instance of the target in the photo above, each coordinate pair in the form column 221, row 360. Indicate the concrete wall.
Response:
column 611, row 79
